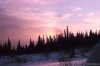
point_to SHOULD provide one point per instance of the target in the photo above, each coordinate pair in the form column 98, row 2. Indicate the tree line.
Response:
column 67, row 41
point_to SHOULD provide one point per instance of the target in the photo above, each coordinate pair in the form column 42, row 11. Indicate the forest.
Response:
column 67, row 42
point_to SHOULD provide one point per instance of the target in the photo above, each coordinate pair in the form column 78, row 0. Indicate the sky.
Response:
column 25, row 19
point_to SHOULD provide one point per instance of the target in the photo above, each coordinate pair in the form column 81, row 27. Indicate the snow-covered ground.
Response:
column 51, row 59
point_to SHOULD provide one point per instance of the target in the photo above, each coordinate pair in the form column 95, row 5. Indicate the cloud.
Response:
column 20, row 13
column 91, row 14
column 7, row 18
column 46, row 18
column 23, row 2
column 30, row 17
column 66, row 16
column 75, row 9
column 39, row 1
column 12, row 25
column 92, row 18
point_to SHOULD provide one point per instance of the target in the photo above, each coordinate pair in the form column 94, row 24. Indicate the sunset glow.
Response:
column 25, row 19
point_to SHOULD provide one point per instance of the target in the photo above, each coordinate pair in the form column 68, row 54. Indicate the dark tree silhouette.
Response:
column 31, row 47
column 66, row 42
column 40, row 45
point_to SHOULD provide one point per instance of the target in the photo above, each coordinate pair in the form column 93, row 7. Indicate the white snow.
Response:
column 51, row 59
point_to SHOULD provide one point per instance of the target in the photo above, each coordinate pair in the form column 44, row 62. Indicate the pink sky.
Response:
column 25, row 19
